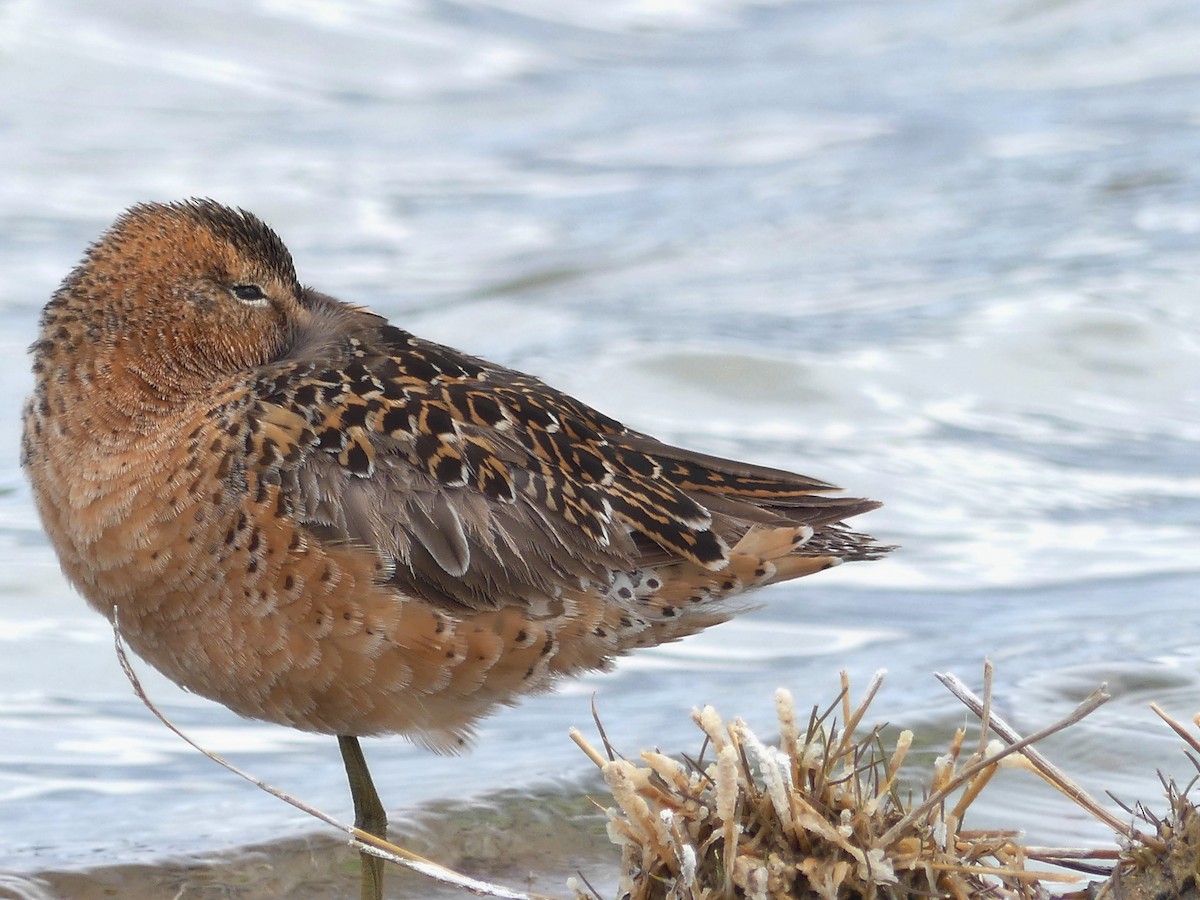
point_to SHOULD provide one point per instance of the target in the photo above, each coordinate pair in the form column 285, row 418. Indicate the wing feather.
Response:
column 482, row 487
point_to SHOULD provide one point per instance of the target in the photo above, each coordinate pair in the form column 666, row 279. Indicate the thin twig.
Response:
column 985, row 717
column 1176, row 727
column 583, row 878
column 362, row 840
column 1017, row 745
column 612, row 754
column 1069, row 853
column 1043, row 766
column 854, row 718
column 1015, row 874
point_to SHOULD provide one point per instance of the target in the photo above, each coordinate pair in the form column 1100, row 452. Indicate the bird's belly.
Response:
column 238, row 605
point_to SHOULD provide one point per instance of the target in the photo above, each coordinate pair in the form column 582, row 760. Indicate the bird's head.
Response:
column 176, row 294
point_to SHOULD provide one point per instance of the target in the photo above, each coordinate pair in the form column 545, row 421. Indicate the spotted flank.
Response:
column 317, row 518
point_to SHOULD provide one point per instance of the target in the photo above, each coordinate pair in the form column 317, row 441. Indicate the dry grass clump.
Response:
column 821, row 816
column 1144, row 873
column 1170, row 866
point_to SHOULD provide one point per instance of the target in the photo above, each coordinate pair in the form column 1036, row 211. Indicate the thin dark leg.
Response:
column 368, row 813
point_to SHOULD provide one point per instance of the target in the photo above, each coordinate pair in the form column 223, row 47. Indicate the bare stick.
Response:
column 1016, row 874
column 852, row 719
column 1043, row 766
column 1069, row 853
column 1017, row 745
column 1176, row 727
column 985, row 717
column 362, row 840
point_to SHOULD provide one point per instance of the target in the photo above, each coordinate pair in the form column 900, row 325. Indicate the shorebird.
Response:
column 309, row 515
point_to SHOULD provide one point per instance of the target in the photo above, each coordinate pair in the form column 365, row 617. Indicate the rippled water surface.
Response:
column 942, row 253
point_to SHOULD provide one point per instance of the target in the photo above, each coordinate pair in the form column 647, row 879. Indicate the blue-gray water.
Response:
column 942, row 253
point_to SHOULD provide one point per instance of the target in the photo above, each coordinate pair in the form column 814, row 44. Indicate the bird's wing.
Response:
column 480, row 487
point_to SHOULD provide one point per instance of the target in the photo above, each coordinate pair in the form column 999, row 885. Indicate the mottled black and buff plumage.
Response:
column 318, row 519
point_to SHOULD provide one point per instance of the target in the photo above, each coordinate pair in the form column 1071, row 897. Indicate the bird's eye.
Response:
column 249, row 293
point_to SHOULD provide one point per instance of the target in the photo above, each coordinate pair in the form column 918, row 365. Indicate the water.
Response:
column 942, row 253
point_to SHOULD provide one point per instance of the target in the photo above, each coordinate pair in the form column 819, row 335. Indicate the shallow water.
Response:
column 944, row 254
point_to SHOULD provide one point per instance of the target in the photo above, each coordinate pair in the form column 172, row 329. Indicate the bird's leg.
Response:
column 369, row 814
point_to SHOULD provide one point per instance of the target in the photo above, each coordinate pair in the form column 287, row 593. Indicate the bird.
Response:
column 299, row 510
